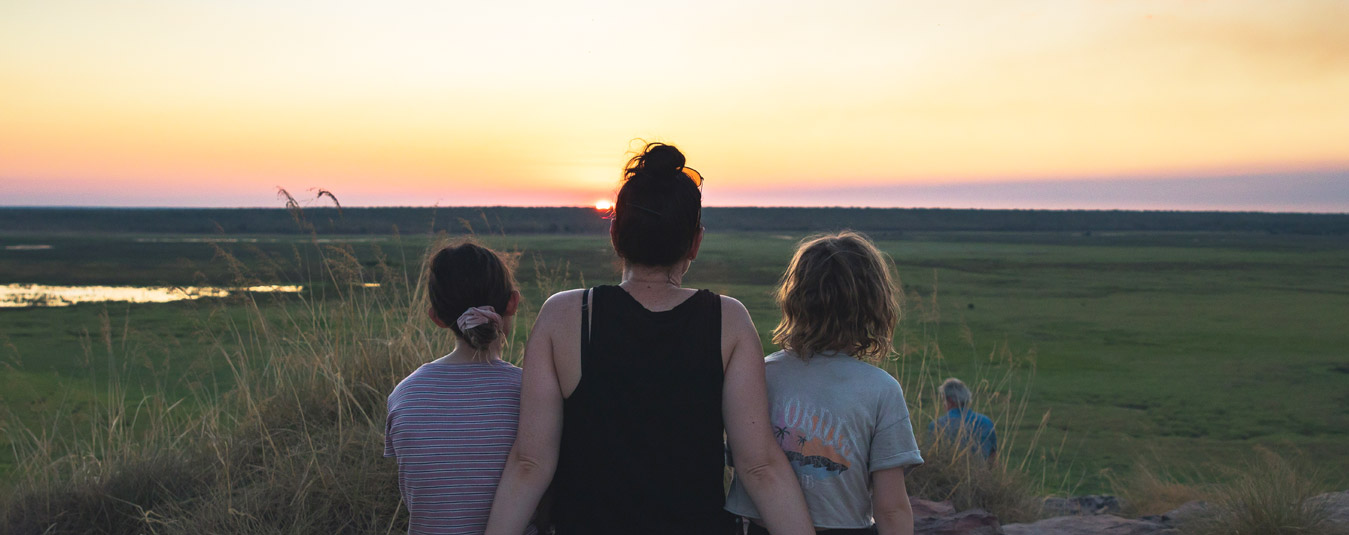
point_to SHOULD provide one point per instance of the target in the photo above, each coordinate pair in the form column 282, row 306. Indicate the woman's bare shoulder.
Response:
column 733, row 312
column 737, row 329
column 565, row 296
column 560, row 307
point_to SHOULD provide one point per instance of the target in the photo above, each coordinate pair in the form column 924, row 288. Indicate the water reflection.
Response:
column 40, row 295
column 201, row 240
column 217, row 239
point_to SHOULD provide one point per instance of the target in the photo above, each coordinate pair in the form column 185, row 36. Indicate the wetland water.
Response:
column 41, row 295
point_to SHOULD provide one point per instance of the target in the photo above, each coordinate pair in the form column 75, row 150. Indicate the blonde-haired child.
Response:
column 841, row 421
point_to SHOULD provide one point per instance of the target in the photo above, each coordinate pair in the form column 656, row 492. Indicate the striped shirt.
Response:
column 451, row 426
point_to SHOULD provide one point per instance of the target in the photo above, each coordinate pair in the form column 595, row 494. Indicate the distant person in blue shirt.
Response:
column 962, row 424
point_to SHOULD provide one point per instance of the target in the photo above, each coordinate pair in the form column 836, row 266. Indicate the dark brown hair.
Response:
column 659, row 208
column 837, row 295
column 466, row 275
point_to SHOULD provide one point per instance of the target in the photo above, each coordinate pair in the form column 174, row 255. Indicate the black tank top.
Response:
column 642, row 433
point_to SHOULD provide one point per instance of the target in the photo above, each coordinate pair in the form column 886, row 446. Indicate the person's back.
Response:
column 451, row 422
column 961, row 425
column 839, row 420
column 641, row 455
column 842, row 422
column 632, row 427
column 970, row 429
column 451, row 427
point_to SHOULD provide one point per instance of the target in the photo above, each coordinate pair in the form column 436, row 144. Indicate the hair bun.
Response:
column 658, row 212
column 657, row 159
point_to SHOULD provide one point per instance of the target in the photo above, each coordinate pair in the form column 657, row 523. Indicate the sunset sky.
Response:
column 1170, row 104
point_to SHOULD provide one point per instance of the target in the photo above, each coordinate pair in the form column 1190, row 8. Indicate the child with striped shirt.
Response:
column 451, row 422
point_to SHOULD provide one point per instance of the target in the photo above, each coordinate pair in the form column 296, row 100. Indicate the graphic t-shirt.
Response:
column 838, row 419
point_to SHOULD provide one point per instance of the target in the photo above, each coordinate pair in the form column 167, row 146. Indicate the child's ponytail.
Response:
column 480, row 326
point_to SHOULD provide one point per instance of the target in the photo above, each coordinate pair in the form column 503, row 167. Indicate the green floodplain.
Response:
column 1183, row 350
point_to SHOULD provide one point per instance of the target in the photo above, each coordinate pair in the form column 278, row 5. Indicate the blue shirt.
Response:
column 970, row 428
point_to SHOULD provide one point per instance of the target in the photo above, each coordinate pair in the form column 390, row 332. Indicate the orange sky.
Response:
column 528, row 103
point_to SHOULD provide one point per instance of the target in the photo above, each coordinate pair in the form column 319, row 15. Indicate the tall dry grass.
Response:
column 292, row 442
column 1269, row 495
column 1000, row 384
column 1150, row 490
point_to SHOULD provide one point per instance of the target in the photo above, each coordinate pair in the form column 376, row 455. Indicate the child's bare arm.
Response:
column 890, row 502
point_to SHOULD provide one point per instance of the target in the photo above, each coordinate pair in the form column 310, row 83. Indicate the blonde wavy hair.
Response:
column 838, row 295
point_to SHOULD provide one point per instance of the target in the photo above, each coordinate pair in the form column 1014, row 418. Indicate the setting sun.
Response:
column 1045, row 104
column 603, row 206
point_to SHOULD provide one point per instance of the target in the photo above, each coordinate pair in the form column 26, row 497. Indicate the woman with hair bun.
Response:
column 451, row 422
column 630, row 389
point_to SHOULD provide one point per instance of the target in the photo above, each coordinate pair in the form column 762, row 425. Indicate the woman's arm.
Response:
column 759, row 461
column 890, row 502
column 533, row 458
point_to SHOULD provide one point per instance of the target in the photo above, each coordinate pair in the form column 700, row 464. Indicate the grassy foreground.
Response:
column 1178, row 348
column 291, row 442
column 259, row 416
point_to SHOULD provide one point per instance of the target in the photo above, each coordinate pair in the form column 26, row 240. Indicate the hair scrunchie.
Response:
column 476, row 316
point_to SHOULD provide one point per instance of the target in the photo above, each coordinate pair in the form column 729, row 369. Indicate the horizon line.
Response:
column 585, row 207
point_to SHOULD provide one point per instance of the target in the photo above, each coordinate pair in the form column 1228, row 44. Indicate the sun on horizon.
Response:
column 876, row 103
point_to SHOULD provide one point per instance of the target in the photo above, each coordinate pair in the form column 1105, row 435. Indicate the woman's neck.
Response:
column 656, row 289
column 466, row 354
column 653, row 278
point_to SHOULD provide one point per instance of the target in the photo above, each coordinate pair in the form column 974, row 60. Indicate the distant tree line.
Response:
column 493, row 220
column 937, row 219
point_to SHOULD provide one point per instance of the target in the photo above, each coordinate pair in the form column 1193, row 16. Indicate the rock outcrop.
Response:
column 941, row 518
column 1095, row 504
column 923, row 507
column 1180, row 515
column 1085, row 515
column 1337, row 504
column 1089, row 525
